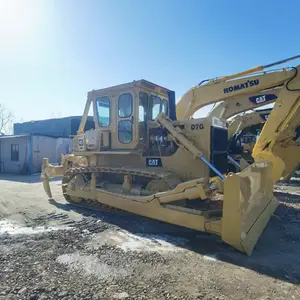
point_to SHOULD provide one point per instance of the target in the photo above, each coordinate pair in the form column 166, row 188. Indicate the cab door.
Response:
column 126, row 121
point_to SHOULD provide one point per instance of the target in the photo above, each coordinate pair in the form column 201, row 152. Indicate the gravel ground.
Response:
column 54, row 250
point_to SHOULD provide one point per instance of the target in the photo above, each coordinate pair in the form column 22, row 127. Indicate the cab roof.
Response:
column 136, row 83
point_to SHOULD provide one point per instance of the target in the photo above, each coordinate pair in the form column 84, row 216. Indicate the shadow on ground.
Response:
column 23, row 178
column 276, row 254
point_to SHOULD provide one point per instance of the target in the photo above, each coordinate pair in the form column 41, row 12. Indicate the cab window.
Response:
column 164, row 106
column 155, row 103
column 125, row 105
column 125, row 131
column 103, row 111
column 143, row 106
column 143, row 112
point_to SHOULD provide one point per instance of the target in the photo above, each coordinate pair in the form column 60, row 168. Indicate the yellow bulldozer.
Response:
column 146, row 157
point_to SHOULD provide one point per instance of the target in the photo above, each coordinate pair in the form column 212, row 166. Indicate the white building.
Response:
column 24, row 153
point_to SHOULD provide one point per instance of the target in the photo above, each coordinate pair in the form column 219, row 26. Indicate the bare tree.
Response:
column 6, row 119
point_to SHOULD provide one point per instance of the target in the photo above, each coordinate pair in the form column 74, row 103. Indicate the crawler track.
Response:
column 166, row 177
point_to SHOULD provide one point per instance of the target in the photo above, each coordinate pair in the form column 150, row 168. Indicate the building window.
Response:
column 125, row 105
column 103, row 110
column 14, row 153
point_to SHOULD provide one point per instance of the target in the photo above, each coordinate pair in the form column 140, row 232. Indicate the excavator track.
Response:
column 169, row 178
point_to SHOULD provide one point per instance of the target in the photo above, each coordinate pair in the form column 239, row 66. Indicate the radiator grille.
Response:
column 218, row 149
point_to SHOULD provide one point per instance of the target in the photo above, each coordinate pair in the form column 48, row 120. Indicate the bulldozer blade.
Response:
column 248, row 205
column 46, row 186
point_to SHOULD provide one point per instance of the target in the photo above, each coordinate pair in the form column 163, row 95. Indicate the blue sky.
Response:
column 54, row 51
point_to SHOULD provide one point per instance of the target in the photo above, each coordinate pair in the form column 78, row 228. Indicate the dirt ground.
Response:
column 50, row 249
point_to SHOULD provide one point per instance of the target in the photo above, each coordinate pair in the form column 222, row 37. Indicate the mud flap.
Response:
column 248, row 205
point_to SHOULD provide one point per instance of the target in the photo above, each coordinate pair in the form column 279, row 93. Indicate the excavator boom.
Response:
column 233, row 107
column 231, row 88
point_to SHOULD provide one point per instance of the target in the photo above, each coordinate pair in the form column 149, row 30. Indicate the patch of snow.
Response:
column 90, row 265
column 138, row 242
column 122, row 295
column 212, row 256
column 7, row 227
column 295, row 178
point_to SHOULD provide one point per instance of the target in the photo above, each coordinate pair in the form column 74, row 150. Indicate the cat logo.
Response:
column 259, row 99
column 153, row 162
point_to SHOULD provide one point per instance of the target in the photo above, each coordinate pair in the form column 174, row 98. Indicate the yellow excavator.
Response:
column 142, row 159
column 243, row 117
column 243, row 131
column 233, row 107
column 241, row 122
column 240, row 144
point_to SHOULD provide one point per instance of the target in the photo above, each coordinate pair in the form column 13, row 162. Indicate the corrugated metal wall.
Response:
column 62, row 127
column 42, row 146
column 52, row 148
column 53, row 127
column 63, row 146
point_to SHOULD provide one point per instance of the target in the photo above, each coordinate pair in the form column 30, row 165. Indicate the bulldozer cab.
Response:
column 126, row 128
column 124, row 113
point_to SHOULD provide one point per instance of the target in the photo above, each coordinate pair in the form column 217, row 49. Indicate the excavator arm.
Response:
column 236, row 106
column 232, row 88
column 279, row 139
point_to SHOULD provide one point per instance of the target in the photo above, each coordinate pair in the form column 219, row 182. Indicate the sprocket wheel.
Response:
column 77, row 180
column 157, row 185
